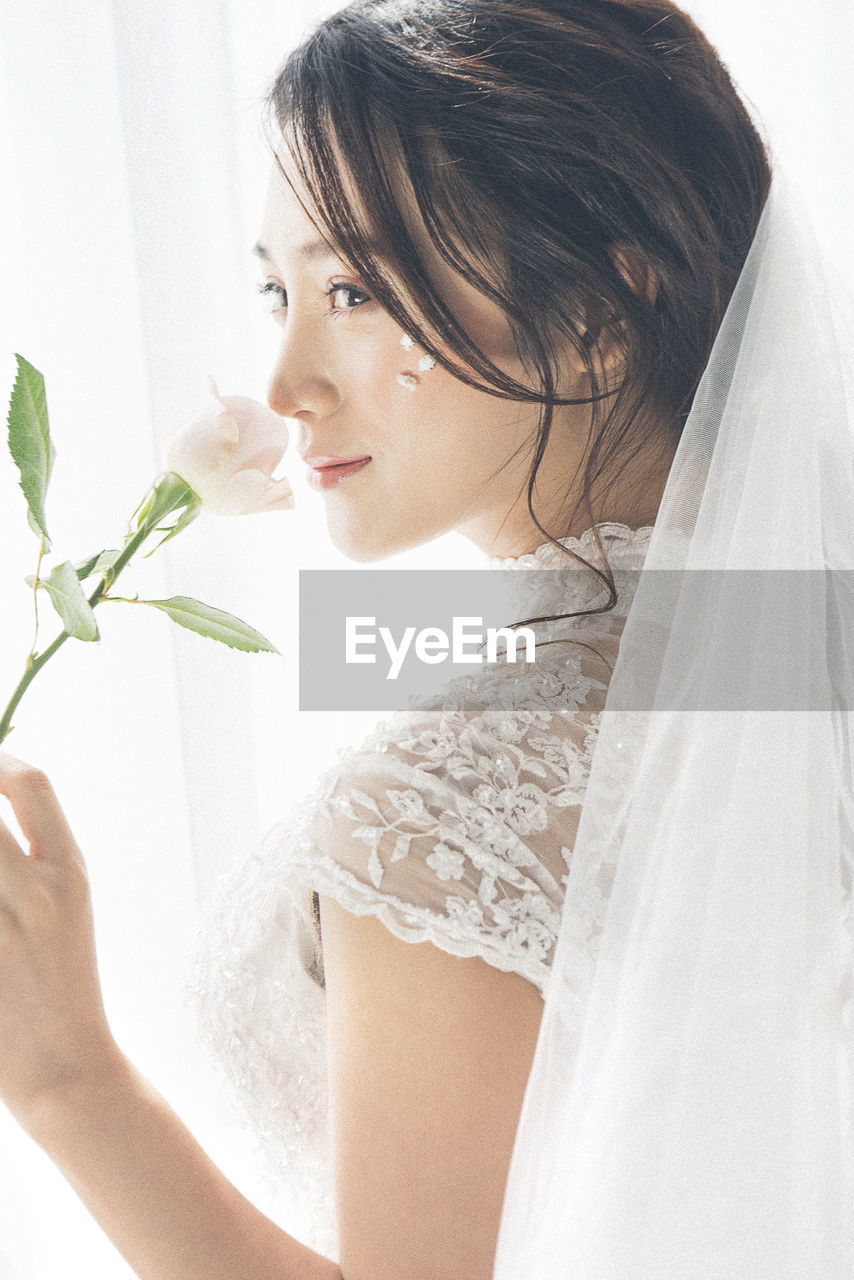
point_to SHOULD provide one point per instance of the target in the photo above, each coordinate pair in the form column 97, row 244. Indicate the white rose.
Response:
column 227, row 454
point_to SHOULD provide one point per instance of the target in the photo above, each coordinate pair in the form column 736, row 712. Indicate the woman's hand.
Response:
column 138, row 1170
column 53, row 1029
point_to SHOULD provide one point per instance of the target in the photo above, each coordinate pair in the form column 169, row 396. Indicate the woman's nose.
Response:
column 301, row 383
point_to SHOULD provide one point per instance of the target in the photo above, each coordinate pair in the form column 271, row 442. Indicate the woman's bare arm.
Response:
column 166, row 1206
column 429, row 1058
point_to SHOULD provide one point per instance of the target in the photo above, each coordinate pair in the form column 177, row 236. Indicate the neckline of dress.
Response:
column 614, row 537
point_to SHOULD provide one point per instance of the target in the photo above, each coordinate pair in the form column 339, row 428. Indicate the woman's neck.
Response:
column 631, row 499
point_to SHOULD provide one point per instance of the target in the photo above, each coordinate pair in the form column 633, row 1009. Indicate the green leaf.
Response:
column 213, row 623
column 169, row 493
column 66, row 594
column 167, row 496
column 186, row 517
column 30, row 443
column 96, row 564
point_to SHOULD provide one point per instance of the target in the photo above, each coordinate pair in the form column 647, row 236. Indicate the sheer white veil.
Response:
column 688, row 1115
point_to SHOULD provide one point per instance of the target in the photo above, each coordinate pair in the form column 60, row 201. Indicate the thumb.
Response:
column 37, row 810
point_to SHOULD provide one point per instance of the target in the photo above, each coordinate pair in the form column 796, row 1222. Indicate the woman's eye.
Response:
column 346, row 297
column 276, row 293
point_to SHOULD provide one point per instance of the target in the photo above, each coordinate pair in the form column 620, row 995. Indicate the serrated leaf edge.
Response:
column 174, row 605
column 35, row 518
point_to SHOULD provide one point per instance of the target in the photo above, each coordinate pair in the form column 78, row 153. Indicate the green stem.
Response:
column 31, row 670
column 36, row 600
column 115, row 569
column 35, row 662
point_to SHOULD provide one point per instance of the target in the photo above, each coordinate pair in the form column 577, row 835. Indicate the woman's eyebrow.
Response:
column 310, row 249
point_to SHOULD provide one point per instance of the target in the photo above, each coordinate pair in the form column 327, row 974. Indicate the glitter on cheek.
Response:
column 425, row 364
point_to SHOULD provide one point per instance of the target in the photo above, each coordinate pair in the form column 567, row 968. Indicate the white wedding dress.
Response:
column 454, row 822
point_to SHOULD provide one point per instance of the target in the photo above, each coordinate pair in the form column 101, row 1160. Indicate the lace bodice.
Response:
column 453, row 822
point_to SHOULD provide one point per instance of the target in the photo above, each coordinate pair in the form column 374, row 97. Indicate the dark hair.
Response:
column 535, row 139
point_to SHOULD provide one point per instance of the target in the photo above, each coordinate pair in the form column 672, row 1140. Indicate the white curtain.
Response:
column 132, row 174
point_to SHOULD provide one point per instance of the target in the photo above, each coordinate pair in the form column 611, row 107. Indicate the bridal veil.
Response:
column 688, row 1115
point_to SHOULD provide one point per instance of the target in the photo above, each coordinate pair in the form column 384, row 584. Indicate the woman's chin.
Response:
column 367, row 541
column 361, row 543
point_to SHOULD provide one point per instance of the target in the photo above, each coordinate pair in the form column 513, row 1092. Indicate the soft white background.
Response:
column 132, row 174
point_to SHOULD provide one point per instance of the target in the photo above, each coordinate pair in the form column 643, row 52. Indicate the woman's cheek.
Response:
column 373, row 370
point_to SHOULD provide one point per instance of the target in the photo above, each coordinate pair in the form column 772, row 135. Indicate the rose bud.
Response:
column 227, row 454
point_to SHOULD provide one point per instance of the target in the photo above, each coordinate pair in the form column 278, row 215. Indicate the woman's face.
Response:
column 428, row 454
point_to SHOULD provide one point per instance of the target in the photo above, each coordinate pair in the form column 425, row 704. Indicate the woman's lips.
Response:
column 326, row 473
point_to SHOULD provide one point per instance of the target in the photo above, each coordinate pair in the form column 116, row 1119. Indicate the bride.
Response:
column 500, row 241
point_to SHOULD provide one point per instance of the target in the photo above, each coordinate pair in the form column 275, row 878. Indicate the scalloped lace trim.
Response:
column 616, row 537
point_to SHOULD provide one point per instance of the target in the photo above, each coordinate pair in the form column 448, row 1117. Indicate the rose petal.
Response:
column 247, row 492
column 227, row 453
column 204, row 443
column 279, row 496
column 263, row 434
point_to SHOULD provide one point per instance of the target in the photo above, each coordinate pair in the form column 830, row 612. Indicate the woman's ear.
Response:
column 603, row 332
column 636, row 271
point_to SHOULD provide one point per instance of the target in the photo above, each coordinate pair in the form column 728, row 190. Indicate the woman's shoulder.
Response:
column 454, row 821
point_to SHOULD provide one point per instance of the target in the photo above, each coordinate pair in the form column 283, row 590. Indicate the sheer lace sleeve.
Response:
column 454, row 823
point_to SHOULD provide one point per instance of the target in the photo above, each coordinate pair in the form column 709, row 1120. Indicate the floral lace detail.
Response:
column 454, row 823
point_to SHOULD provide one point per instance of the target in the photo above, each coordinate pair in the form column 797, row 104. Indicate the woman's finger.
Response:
column 12, row 865
column 37, row 810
